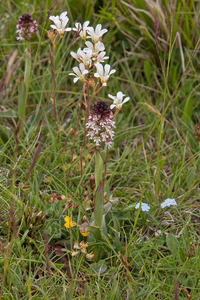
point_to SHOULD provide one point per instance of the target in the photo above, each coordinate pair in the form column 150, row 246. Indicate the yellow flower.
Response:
column 69, row 223
column 84, row 233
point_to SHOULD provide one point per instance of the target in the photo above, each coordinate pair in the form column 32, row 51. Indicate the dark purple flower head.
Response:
column 100, row 124
column 101, row 109
column 26, row 27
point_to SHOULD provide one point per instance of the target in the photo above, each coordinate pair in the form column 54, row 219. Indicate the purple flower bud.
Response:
column 26, row 27
column 100, row 124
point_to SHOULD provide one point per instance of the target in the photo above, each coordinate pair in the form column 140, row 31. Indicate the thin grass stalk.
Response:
column 106, row 163
column 77, row 124
column 84, row 138
column 54, row 85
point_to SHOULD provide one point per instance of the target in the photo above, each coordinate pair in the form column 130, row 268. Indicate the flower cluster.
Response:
column 82, row 248
column 144, row 206
column 168, row 202
column 60, row 23
column 100, row 124
column 26, row 27
column 69, row 224
column 91, row 56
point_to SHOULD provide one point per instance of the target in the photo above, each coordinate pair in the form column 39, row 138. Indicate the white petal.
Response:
column 62, row 16
column 99, row 68
column 107, row 69
column 112, row 71
column 126, row 99
column 65, row 21
column 75, row 79
column 112, row 97
column 112, row 106
column 76, row 70
column 73, row 54
column 85, row 24
column 120, row 96
column 89, row 45
column 53, row 26
column 103, row 31
column 96, row 75
column 84, row 72
column 52, row 18
column 98, row 28
column 90, row 30
column 81, row 67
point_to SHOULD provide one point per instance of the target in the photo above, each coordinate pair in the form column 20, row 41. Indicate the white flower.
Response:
column 168, row 202
column 83, row 29
column 95, row 34
column 83, row 57
column 103, row 74
column 60, row 23
column 76, row 246
column 96, row 48
column 90, row 255
column 78, row 55
column 144, row 206
column 79, row 73
column 118, row 100
column 101, row 56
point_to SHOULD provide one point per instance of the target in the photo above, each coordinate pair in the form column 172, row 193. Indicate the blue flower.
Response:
column 144, row 206
column 168, row 202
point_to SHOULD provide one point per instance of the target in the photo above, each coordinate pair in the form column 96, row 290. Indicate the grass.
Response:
column 155, row 155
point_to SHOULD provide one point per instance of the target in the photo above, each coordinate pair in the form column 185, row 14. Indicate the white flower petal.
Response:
column 107, row 69
column 96, row 75
column 112, row 71
column 53, row 26
column 112, row 97
column 126, row 99
column 63, row 14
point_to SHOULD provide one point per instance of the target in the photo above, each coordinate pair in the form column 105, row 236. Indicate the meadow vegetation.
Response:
column 106, row 212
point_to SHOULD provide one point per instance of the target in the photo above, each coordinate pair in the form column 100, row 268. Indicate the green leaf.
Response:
column 98, row 168
column 187, row 116
column 191, row 175
column 3, row 135
column 147, row 71
column 172, row 244
column 93, row 229
column 98, row 268
column 21, row 99
column 27, row 73
column 9, row 113
column 98, row 205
